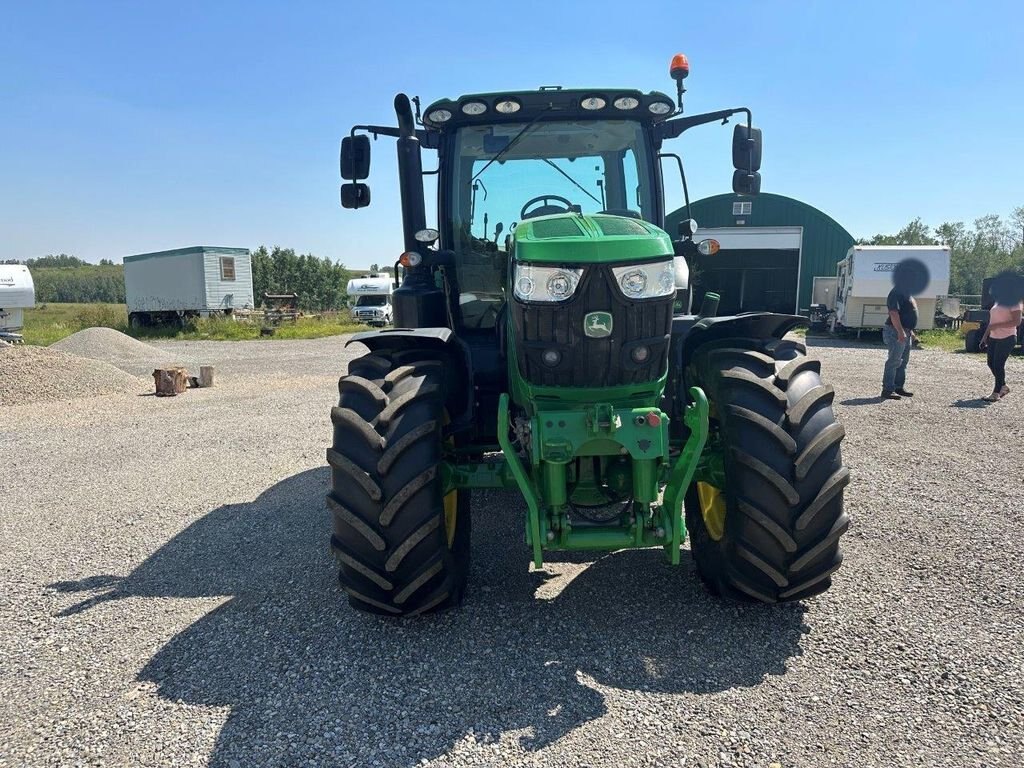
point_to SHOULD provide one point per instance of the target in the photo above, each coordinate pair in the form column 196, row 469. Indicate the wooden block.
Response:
column 205, row 375
column 170, row 381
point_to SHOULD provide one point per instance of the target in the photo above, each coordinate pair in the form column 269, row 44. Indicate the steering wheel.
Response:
column 545, row 210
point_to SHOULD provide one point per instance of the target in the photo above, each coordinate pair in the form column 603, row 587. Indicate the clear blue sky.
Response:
column 129, row 127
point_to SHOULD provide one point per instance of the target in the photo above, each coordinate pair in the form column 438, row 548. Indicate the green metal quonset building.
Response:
column 772, row 248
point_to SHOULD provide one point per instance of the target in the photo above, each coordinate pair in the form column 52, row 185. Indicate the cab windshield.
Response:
column 505, row 173
column 378, row 300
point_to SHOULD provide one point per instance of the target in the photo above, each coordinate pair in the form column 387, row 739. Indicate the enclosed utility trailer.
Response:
column 169, row 286
column 864, row 279
column 17, row 293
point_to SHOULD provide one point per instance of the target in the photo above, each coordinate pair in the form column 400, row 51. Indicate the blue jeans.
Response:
column 895, row 374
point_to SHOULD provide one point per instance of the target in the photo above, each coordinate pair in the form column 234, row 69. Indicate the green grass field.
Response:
column 49, row 323
column 52, row 322
column 940, row 338
column 945, row 339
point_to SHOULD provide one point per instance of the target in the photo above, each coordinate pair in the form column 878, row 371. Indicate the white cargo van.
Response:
column 864, row 279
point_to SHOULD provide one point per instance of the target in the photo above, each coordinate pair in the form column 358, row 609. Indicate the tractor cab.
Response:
column 508, row 157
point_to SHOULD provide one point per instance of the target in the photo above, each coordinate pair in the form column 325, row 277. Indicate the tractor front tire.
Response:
column 402, row 546
column 771, row 534
column 972, row 340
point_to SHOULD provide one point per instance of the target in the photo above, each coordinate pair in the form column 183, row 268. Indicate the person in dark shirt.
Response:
column 898, row 335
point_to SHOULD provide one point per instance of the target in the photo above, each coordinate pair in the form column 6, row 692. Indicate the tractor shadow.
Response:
column 310, row 681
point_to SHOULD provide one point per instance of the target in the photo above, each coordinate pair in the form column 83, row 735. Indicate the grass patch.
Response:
column 49, row 323
column 225, row 329
column 942, row 338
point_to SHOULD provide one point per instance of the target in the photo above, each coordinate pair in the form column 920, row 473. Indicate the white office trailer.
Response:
column 371, row 299
column 864, row 279
column 170, row 286
column 17, row 293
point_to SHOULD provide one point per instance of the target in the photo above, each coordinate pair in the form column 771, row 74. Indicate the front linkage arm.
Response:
column 696, row 420
column 677, row 481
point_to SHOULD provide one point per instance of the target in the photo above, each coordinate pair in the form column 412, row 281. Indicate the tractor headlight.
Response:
column 646, row 281
column 534, row 283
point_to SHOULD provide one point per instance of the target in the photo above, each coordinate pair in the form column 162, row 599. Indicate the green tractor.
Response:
column 563, row 360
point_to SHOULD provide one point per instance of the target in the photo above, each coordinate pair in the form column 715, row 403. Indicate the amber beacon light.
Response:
column 680, row 67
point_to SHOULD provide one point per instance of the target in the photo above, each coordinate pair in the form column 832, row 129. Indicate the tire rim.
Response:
column 451, row 516
column 712, row 509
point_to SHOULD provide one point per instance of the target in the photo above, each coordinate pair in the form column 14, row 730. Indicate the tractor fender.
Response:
column 752, row 325
column 691, row 331
column 441, row 343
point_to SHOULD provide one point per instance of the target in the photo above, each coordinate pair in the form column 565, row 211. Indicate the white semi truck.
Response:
column 864, row 279
column 371, row 299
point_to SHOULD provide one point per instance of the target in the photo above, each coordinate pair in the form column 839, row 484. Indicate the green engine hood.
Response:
column 595, row 239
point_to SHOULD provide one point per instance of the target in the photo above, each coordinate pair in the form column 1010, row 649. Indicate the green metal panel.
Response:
column 564, row 238
column 824, row 241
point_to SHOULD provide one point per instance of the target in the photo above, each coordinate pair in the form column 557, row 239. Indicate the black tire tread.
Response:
column 385, row 500
column 808, row 402
column 784, row 473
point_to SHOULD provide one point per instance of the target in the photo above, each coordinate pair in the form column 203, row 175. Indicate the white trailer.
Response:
column 372, row 297
column 17, row 293
column 187, row 282
column 864, row 279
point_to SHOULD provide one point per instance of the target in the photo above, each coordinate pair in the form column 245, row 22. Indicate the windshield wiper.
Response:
column 515, row 139
column 570, row 178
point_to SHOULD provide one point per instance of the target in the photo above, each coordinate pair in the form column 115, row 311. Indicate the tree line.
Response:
column 979, row 250
column 63, row 278
column 319, row 282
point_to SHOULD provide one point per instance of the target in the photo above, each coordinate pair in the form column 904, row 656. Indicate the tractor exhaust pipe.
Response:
column 418, row 303
column 410, row 173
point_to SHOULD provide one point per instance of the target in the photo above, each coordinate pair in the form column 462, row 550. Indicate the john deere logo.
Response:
column 598, row 325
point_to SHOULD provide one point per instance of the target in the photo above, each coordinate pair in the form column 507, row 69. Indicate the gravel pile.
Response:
column 121, row 350
column 174, row 602
column 42, row 375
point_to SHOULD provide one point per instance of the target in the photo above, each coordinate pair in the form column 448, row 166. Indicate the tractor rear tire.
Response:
column 784, row 477
column 402, row 546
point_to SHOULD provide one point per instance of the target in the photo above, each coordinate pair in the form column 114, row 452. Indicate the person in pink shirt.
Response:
column 1000, row 337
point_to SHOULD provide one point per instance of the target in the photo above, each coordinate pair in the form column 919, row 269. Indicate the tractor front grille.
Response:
column 586, row 361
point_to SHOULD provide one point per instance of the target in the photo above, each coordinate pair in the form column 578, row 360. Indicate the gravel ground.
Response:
column 130, row 355
column 169, row 599
column 41, row 375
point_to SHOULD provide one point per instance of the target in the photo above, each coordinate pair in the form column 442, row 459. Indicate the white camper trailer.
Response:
column 17, row 293
column 864, row 279
column 371, row 299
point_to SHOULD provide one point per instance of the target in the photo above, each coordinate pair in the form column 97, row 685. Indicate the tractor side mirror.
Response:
column 355, row 157
column 746, row 148
column 355, row 195
column 744, row 183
